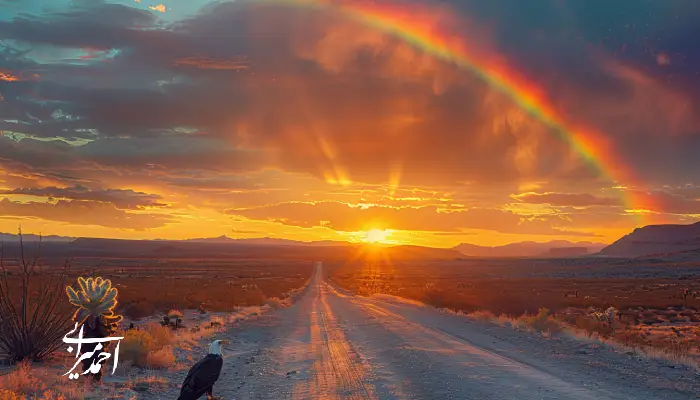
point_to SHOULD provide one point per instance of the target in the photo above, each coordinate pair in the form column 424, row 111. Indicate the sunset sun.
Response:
column 376, row 236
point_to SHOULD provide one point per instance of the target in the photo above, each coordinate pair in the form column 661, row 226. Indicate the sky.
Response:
column 427, row 123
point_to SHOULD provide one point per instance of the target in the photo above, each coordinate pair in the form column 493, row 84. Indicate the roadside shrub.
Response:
column 275, row 302
column 217, row 320
column 543, row 322
column 483, row 316
column 149, row 347
column 160, row 335
column 135, row 347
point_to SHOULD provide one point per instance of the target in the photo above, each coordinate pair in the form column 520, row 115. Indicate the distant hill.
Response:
column 267, row 241
column 9, row 237
column 227, row 248
column 526, row 249
column 406, row 252
column 568, row 251
column 657, row 240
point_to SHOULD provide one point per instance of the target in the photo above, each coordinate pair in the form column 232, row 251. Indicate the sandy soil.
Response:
column 332, row 345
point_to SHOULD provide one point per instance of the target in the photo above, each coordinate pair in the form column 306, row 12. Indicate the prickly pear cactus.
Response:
column 96, row 300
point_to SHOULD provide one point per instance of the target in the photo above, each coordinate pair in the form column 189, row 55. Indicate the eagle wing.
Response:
column 201, row 377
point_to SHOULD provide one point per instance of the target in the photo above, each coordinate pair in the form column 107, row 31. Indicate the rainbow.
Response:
column 420, row 28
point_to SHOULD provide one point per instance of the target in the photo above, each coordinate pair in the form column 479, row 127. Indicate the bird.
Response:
column 202, row 376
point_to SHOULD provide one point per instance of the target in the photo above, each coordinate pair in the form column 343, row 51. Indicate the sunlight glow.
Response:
column 376, row 236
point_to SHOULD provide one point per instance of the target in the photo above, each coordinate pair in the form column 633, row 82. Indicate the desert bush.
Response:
column 483, row 316
column 217, row 320
column 543, row 322
column 173, row 318
column 149, row 347
column 135, row 347
column 160, row 335
column 591, row 326
column 32, row 324
column 275, row 302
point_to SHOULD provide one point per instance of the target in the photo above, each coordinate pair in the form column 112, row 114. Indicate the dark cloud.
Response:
column 200, row 106
column 95, row 25
column 345, row 87
column 120, row 198
column 83, row 213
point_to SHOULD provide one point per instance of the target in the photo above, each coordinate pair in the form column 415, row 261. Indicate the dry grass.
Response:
column 154, row 382
column 70, row 391
column 677, row 347
column 161, row 358
column 218, row 285
column 514, row 293
column 22, row 380
column 10, row 395
column 38, row 383
column 276, row 303
column 149, row 347
column 511, row 287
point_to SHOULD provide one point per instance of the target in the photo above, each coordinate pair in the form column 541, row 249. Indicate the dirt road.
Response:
column 331, row 345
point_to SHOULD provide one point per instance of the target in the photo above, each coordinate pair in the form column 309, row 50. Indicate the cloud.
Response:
column 120, row 198
column 346, row 217
column 8, row 77
column 678, row 201
column 208, row 108
column 159, row 8
column 567, row 199
column 83, row 213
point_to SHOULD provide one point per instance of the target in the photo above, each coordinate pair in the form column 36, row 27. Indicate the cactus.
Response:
column 607, row 316
column 96, row 300
column 175, row 315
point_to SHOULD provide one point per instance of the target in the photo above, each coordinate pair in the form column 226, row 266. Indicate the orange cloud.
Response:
column 7, row 77
column 567, row 199
column 362, row 217
column 83, row 213
column 159, row 7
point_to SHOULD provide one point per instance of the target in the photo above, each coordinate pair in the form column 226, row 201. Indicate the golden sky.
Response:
column 120, row 119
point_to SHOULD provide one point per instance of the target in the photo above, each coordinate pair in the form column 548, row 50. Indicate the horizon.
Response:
column 354, row 122
column 384, row 243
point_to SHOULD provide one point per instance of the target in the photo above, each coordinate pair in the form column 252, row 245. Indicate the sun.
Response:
column 376, row 236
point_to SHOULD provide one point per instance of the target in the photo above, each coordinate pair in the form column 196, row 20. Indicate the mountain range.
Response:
column 658, row 241
column 531, row 249
column 267, row 241
column 8, row 237
column 674, row 242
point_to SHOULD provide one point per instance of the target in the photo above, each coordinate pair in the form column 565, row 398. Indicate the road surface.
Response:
column 332, row 345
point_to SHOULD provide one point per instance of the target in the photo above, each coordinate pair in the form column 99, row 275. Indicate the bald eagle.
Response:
column 202, row 376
